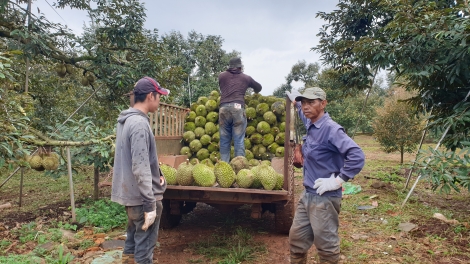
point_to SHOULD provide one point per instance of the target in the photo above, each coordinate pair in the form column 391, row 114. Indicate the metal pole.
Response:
column 72, row 199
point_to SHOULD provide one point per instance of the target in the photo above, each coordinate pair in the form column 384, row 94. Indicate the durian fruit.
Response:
column 91, row 78
column 202, row 100
column 210, row 105
column 189, row 126
column 212, row 117
column 191, row 116
column 268, row 139
column 247, row 144
column 69, row 68
column 184, row 174
column 60, row 69
column 250, row 130
column 253, row 163
column 203, row 175
column 279, row 182
column 194, row 161
column 280, row 138
column 195, row 145
column 201, row 111
column 205, row 140
column 249, row 155
column 200, row 121
column 199, row 132
column 49, row 162
column 239, row 163
column 169, row 173
column 270, row 117
column 256, row 177
column 273, row 147
column 250, row 113
column 262, row 108
column 214, row 156
column 263, row 128
column 279, row 108
column 202, row 154
column 280, row 152
column 188, row 136
column 84, row 81
column 208, row 162
column 210, row 128
column 216, row 137
column 268, row 176
column 224, row 174
column 186, row 151
column 213, row 147
column 214, row 94
column 244, row 178
column 265, row 162
column 35, row 162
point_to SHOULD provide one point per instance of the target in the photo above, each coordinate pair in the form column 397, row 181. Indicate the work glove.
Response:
column 328, row 184
column 292, row 95
column 149, row 219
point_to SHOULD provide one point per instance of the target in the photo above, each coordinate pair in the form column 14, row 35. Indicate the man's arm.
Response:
column 353, row 155
column 255, row 85
column 141, row 165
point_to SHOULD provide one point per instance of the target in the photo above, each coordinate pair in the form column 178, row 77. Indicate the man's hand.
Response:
column 149, row 219
column 292, row 95
column 162, row 180
column 328, row 184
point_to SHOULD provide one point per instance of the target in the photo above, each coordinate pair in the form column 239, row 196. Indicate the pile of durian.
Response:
column 264, row 135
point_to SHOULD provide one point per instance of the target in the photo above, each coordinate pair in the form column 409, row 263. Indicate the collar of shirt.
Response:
column 320, row 121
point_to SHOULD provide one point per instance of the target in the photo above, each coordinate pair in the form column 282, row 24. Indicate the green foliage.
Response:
column 61, row 257
column 423, row 42
column 103, row 214
column 20, row 259
column 446, row 170
column 67, row 226
column 233, row 249
column 396, row 128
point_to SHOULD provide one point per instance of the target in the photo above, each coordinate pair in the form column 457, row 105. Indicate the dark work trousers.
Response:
column 138, row 242
column 316, row 223
column 232, row 126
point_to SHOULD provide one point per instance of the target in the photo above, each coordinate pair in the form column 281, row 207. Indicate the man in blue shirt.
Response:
column 331, row 158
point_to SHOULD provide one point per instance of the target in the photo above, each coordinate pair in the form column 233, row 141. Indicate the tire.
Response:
column 284, row 217
column 168, row 220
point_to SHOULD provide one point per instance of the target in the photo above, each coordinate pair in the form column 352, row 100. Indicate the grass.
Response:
column 367, row 236
column 228, row 248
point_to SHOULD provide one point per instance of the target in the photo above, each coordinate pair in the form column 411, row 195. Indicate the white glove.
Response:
column 328, row 184
column 149, row 219
column 292, row 95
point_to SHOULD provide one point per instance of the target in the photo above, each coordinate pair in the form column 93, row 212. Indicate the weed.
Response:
column 4, row 244
column 61, row 257
column 20, row 259
column 103, row 214
column 87, row 243
column 67, row 226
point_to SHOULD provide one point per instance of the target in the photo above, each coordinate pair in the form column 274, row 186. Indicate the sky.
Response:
column 272, row 35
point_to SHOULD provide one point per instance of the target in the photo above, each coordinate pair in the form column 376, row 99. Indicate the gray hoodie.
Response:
column 136, row 173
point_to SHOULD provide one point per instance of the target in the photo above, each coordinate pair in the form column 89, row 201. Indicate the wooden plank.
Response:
column 172, row 121
column 222, row 197
column 161, row 120
column 228, row 190
column 168, row 137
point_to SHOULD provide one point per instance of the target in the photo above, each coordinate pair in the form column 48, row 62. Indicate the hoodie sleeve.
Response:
column 255, row 85
column 139, row 139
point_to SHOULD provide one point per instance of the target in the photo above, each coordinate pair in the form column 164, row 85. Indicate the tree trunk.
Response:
column 402, row 149
column 96, row 190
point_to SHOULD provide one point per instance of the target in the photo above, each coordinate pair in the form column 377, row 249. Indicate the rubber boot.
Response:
column 298, row 258
column 324, row 261
column 128, row 258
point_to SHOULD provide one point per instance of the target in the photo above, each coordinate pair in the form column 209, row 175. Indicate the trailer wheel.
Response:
column 284, row 217
column 168, row 220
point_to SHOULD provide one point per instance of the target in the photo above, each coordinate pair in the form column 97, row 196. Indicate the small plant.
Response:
column 4, row 244
column 61, row 257
column 87, row 243
column 103, row 214
column 67, row 226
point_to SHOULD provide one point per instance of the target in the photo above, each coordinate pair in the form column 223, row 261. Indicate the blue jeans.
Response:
column 138, row 242
column 232, row 125
column 316, row 222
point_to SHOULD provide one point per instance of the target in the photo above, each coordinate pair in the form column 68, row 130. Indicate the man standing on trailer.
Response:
column 331, row 158
column 138, row 182
column 232, row 117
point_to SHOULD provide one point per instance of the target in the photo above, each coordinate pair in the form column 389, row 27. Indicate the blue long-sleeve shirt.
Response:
column 328, row 149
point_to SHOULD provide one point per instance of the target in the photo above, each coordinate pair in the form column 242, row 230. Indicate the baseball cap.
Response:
column 148, row 85
column 235, row 63
column 312, row 93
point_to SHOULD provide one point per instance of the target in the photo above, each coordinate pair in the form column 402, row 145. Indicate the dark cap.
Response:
column 235, row 63
column 312, row 93
column 149, row 85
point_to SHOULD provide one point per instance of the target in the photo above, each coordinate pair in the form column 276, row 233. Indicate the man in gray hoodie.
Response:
column 138, row 182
